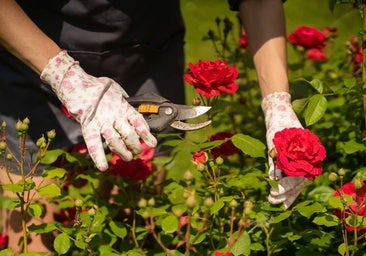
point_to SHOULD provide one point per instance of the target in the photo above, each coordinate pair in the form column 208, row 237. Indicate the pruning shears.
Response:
column 161, row 113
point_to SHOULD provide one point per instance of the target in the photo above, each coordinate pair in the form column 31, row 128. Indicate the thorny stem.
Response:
column 151, row 224
column 188, row 233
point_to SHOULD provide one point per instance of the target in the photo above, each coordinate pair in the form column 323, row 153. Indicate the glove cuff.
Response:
column 271, row 101
column 56, row 70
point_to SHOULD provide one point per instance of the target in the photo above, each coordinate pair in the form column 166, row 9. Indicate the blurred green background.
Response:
column 200, row 17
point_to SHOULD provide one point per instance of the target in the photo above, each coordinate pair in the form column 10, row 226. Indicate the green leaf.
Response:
column 342, row 249
column 49, row 190
column 249, row 145
column 118, row 229
column 352, row 146
column 299, row 105
column 170, row 224
column 217, row 206
column 242, row 245
column 317, row 85
column 35, row 210
column 350, row 82
column 315, row 109
column 42, row 228
column 328, row 220
column 62, row 243
column 281, row 217
column 308, row 210
column 340, row 202
column 51, row 156
column 54, row 173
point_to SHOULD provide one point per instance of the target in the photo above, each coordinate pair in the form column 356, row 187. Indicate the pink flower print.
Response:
column 58, row 60
column 281, row 108
column 66, row 84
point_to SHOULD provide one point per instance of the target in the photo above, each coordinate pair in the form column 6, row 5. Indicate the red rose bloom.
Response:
column 243, row 40
column 225, row 149
column 211, row 78
column 200, row 157
column 136, row 169
column 316, row 55
column 299, row 152
column 222, row 254
column 355, row 55
column 359, row 202
column 307, row 37
column 4, row 239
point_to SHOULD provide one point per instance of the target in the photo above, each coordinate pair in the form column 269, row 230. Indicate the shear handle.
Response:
column 158, row 120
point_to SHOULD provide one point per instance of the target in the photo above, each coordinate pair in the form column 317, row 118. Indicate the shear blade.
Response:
column 188, row 112
column 188, row 127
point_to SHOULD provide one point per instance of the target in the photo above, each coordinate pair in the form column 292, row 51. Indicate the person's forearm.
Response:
column 20, row 36
column 264, row 24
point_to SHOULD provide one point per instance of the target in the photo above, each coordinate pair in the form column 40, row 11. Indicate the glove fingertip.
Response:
column 150, row 140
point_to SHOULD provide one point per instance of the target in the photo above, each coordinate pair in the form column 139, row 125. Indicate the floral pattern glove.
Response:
column 99, row 105
column 279, row 115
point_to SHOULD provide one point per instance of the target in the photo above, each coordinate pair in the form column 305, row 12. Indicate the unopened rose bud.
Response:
column 188, row 175
column 177, row 212
column 92, row 212
column 9, row 157
column 78, row 202
column 2, row 145
column 51, row 134
column 41, row 142
column 341, row 172
column 26, row 121
column 151, row 202
column 208, row 202
column 357, row 182
column 332, row 176
column 248, row 204
column 201, row 167
column 3, row 125
column 233, row 203
column 145, row 214
column 18, row 126
column 219, row 160
column 142, row 203
column 272, row 153
column 191, row 201
column 196, row 101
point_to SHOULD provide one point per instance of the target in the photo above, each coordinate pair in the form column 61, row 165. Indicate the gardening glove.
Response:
column 279, row 115
column 99, row 105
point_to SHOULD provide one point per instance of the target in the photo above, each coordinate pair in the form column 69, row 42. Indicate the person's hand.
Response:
column 279, row 115
column 99, row 105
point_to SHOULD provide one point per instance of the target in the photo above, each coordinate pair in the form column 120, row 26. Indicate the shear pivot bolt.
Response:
column 168, row 111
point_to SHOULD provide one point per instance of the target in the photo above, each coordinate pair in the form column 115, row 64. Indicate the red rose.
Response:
column 225, row 149
column 200, row 157
column 299, row 152
column 222, row 254
column 211, row 78
column 316, row 54
column 136, row 169
column 66, row 112
column 307, row 37
column 355, row 55
column 4, row 239
column 357, row 206
column 243, row 40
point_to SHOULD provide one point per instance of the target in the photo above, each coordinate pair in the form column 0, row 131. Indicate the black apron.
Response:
column 138, row 43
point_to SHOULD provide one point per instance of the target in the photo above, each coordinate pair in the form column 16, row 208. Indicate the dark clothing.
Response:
column 138, row 43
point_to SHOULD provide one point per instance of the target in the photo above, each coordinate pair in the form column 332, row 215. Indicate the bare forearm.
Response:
column 20, row 36
column 264, row 23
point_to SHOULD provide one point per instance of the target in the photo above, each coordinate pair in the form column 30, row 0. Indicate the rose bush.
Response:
column 212, row 199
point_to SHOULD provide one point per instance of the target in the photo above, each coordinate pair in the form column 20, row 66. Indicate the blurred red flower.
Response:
column 243, row 40
column 225, row 149
column 316, row 54
column 308, row 37
column 222, row 254
column 355, row 53
column 200, row 157
column 357, row 206
column 211, row 78
column 299, row 152
column 136, row 169
column 4, row 239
